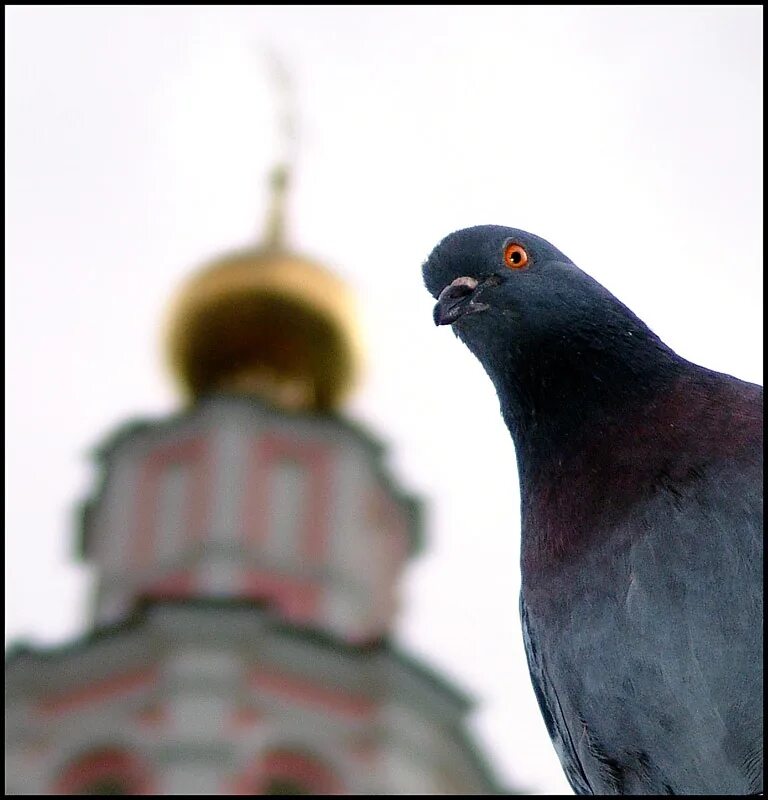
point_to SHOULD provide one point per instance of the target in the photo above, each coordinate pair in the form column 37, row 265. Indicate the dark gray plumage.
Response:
column 641, row 502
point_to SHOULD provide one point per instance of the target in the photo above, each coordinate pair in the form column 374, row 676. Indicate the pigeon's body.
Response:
column 641, row 500
column 649, row 610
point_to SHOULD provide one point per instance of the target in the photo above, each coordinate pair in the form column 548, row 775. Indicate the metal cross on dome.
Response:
column 280, row 174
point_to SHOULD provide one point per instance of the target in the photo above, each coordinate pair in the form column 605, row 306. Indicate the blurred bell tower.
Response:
column 258, row 489
column 247, row 552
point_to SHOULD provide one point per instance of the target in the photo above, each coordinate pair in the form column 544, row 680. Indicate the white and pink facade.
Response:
column 247, row 566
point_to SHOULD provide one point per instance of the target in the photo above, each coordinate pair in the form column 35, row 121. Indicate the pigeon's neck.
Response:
column 598, row 434
column 563, row 392
column 573, row 408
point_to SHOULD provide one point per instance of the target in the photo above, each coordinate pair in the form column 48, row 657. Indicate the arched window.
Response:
column 285, row 786
column 106, row 785
column 104, row 771
column 289, row 772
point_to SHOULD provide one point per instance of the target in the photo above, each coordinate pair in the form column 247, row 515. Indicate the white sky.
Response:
column 138, row 140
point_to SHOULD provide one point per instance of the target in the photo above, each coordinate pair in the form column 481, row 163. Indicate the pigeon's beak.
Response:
column 456, row 300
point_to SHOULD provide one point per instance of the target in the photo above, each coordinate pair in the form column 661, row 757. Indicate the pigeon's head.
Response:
column 500, row 272
column 528, row 313
column 496, row 279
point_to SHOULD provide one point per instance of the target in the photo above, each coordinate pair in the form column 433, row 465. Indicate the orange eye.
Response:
column 515, row 256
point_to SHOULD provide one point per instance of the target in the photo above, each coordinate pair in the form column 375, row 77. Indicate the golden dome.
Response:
column 269, row 323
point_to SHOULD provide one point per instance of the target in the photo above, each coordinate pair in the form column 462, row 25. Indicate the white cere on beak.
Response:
column 465, row 280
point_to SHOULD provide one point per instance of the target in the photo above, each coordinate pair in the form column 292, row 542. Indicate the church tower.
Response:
column 247, row 552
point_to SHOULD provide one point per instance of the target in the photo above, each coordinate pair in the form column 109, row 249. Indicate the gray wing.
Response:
column 552, row 711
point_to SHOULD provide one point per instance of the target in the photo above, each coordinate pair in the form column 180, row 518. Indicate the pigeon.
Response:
column 641, row 521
